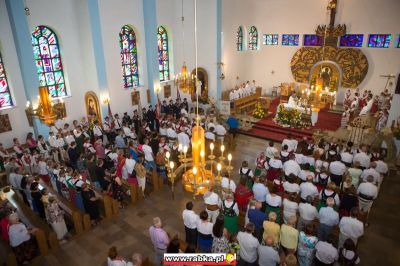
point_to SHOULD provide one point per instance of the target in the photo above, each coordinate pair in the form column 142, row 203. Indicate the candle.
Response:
column 171, row 165
column 219, row 169
column 229, row 158
column 194, row 170
column 202, row 154
column 185, row 149
column 212, row 147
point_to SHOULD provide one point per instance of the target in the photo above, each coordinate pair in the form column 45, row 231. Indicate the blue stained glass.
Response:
column 163, row 53
column 313, row 40
column 239, row 39
column 379, row 40
column 290, row 39
column 398, row 41
column 352, row 40
column 270, row 39
column 48, row 63
column 128, row 53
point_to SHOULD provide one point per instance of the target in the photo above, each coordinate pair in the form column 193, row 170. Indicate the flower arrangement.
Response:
column 288, row 117
column 258, row 111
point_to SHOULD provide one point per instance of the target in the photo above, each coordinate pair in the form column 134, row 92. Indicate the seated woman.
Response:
column 56, row 219
column 243, row 194
column 204, row 231
column 328, row 192
column 22, row 240
column 274, row 202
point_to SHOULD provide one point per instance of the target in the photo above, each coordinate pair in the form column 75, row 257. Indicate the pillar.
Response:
column 150, row 35
column 98, row 50
column 219, row 50
column 23, row 44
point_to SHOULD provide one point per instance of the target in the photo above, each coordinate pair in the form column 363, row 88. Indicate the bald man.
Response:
column 267, row 254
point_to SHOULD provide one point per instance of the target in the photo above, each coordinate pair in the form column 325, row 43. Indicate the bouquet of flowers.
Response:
column 258, row 111
column 288, row 117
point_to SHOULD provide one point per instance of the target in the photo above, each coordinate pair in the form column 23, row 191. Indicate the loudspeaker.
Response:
column 397, row 91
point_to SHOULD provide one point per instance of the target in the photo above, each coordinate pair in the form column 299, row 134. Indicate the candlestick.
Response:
column 219, row 170
column 222, row 152
column 211, row 156
column 172, row 175
column 167, row 155
column 229, row 168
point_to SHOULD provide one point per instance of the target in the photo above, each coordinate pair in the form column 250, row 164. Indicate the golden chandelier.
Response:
column 184, row 80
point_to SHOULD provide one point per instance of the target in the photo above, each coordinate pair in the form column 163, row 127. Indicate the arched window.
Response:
column 5, row 94
column 127, row 42
column 163, row 53
column 253, row 38
column 239, row 39
column 48, row 61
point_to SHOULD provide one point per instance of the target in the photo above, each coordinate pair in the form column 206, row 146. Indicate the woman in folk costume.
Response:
column 275, row 167
column 347, row 99
column 345, row 118
column 382, row 120
column 261, row 164
column 375, row 106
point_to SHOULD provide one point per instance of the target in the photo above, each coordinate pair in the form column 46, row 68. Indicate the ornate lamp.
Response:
column 46, row 110
column 184, row 80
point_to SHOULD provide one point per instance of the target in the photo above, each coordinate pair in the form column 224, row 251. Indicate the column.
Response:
column 23, row 44
column 98, row 50
column 219, row 50
column 150, row 35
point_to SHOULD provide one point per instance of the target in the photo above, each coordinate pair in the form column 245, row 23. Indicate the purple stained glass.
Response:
column 163, row 53
column 5, row 94
column 313, row 40
column 127, row 42
column 290, row 39
column 379, row 40
column 48, row 61
column 352, row 40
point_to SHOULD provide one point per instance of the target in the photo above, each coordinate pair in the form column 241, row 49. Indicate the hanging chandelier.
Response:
column 184, row 80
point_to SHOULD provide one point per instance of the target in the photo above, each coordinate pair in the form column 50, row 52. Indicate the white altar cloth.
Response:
column 314, row 114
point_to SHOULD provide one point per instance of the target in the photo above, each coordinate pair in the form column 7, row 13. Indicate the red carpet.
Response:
column 266, row 128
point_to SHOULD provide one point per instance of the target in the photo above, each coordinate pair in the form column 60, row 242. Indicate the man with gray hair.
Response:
column 160, row 240
column 248, row 245
column 367, row 192
column 308, row 213
column 137, row 260
column 267, row 254
column 328, row 218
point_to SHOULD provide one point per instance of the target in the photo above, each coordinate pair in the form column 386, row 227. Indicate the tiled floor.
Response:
column 128, row 232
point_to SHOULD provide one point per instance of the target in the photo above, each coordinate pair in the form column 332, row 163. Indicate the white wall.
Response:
column 16, row 114
column 302, row 17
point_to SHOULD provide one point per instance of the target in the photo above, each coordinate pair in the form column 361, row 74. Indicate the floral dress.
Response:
column 306, row 249
column 220, row 245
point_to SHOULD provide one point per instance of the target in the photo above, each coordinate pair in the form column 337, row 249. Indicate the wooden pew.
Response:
column 246, row 103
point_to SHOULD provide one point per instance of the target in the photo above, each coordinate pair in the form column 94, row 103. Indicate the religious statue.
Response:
column 326, row 76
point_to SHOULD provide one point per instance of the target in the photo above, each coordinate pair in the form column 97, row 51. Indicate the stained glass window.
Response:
column 352, row 40
column 163, row 53
column 379, row 40
column 5, row 94
column 398, row 41
column 312, row 40
column 270, row 39
column 48, row 61
column 239, row 39
column 290, row 39
column 253, row 38
column 127, row 42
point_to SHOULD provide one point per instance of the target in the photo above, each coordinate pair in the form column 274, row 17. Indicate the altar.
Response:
column 295, row 115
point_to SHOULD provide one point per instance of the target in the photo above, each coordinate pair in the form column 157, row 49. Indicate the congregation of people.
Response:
column 366, row 103
column 88, row 159
column 306, row 203
column 242, row 90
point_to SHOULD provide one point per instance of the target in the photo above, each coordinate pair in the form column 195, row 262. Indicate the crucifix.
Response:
column 332, row 8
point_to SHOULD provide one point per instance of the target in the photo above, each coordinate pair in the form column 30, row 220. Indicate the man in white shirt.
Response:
column 328, row 218
column 97, row 130
column 350, row 227
column 367, row 192
column 228, row 185
column 171, row 134
column 326, row 253
column 291, row 167
column 209, row 135
column 306, row 172
column 260, row 191
column 308, row 189
column 292, row 100
column 371, row 172
column 308, row 213
column 220, row 131
column 148, row 156
column 190, row 219
column 290, row 142
column 291, row 187
column 346, row 158
column 117, row 122
column 270, row 151
column 363, row 158
column 213, row 203
column 248, row 245
column 183, row 139
column 337, row 170
column 129, row 165
column 267, row 254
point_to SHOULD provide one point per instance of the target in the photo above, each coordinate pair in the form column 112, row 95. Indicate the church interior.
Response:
column 153, row 132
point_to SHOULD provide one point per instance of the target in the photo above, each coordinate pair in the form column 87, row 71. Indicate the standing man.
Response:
column 160, row 240
column 190, row 219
